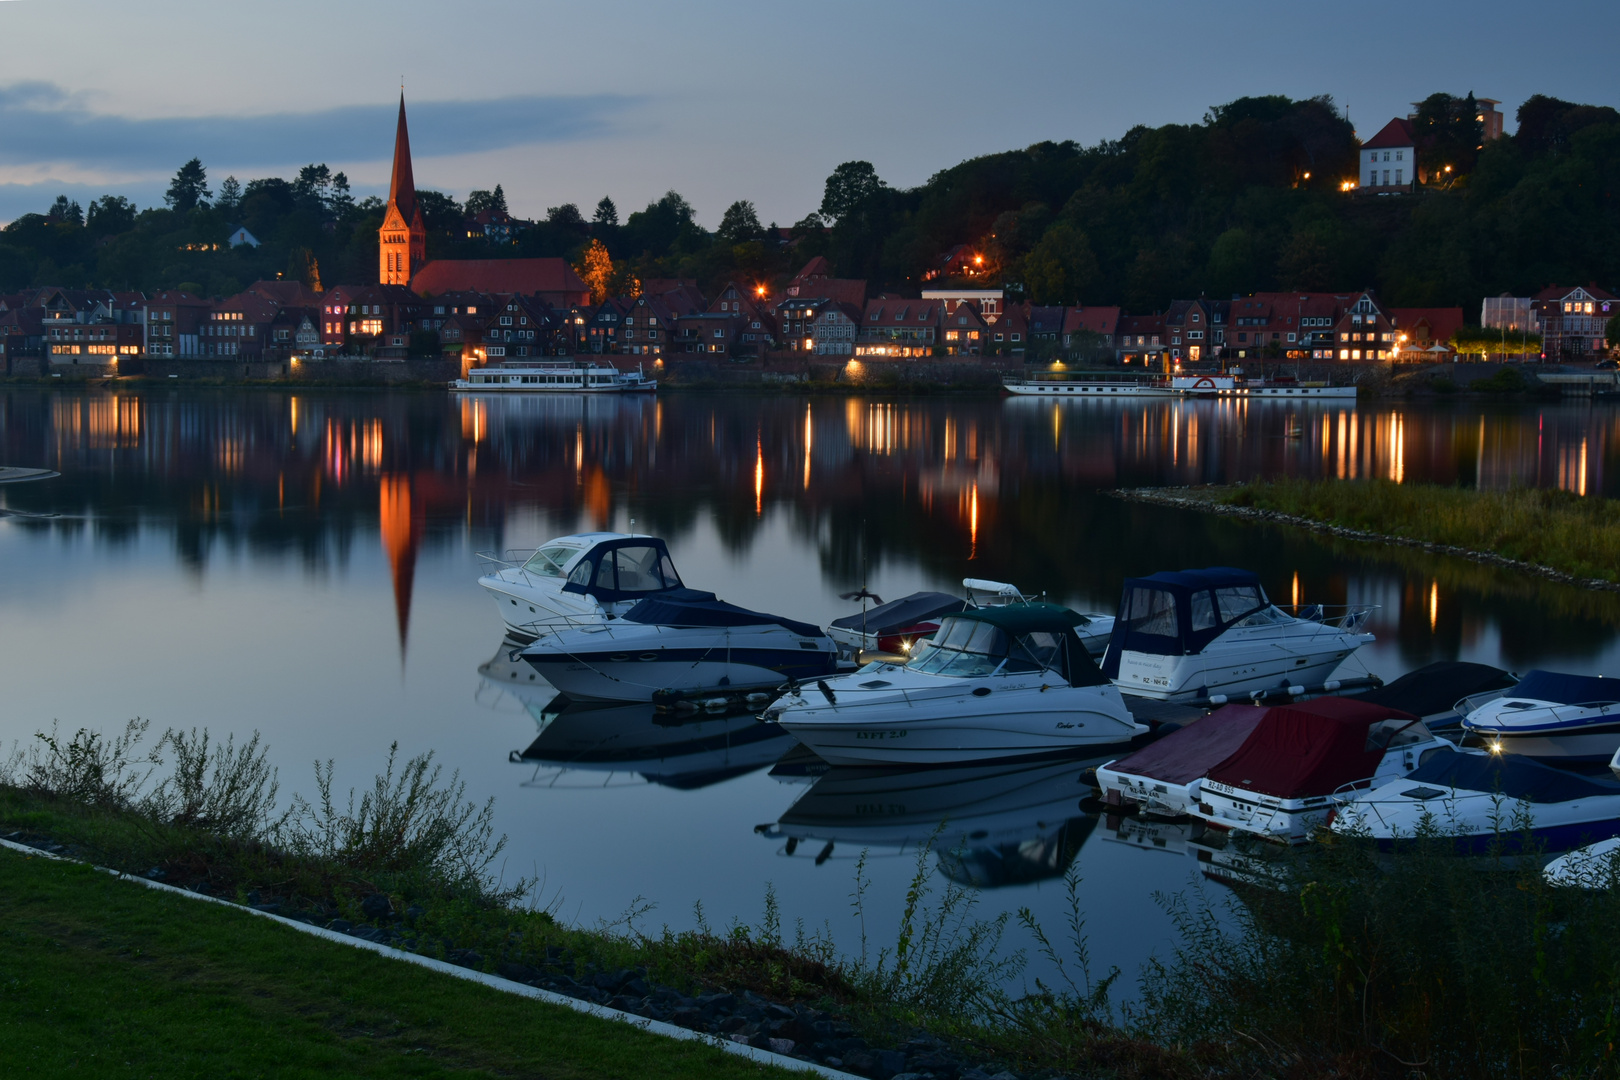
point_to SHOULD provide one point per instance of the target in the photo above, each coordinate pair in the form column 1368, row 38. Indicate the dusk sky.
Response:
column 717, row 100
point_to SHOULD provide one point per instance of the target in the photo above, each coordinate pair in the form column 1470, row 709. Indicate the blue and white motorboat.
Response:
column 1211, row 636
column 1481, row 799
column 1595, row 866
column 577, row 580
column 680, row 643
column 1553, row 716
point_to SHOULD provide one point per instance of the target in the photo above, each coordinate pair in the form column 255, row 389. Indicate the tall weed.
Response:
column 222, row 788
column 88, row 768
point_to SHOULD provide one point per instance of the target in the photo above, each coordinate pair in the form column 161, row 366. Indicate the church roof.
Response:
column 522, row 276
column 402, row 188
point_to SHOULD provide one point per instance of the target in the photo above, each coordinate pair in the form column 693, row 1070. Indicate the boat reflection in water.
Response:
column 988, row 825
column 611, row 745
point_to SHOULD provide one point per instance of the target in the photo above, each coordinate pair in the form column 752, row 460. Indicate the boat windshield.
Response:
column 968, row 648
column 549, row 561
column 631, row 568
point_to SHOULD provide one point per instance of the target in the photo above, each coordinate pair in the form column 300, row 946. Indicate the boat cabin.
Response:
column 1014, row 639
column 1178, row 613
column 609, row 571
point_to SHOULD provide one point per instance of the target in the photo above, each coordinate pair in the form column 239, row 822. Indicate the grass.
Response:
column 1555, row 529
column 100, row 977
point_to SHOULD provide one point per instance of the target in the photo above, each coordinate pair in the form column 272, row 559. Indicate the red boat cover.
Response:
column 1183, row 756
column 1312, row 748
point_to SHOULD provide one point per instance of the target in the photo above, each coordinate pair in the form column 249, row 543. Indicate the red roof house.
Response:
column 552, row 280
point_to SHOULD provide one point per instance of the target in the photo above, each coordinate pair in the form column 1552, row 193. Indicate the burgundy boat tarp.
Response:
column 1311, row 748
column 1183, row 756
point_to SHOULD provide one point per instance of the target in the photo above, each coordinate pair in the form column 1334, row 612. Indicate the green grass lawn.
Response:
column 1555, row 529
column 105, row 978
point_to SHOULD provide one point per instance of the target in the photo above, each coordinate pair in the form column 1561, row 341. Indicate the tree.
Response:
column 111, row 214
column 566, row 216
column 230, row 196
column 188, row 190
column 850, row 187
column 1061, row 267
column 740, row 223
column 1611, row 332
column 606, row 213
column 440, row 213
column 480, row 200
column 66, row 212
column 596, row 271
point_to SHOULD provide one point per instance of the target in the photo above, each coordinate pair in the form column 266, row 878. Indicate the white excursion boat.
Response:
column 1211, row 636
column 993, row 683
column 679, row 644
column 566, row 376
column 1301, row 759
column 1568, row 718
column 1482, row 801
column 896, row 627
column 583, row 579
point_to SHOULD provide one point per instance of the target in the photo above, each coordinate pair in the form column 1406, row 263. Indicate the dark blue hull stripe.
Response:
column 798, row 663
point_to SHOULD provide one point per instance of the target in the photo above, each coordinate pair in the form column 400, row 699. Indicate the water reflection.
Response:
column 988, row 825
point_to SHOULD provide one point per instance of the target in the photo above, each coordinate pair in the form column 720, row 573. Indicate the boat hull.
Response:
column 598, row 678
column 1234, row 674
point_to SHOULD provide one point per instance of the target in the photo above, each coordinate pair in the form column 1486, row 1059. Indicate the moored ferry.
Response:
column 562, row 376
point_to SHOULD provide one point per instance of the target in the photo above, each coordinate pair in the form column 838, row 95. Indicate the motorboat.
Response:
column 680, row 644
column 1595, row 866
column 1282, row 782
column 1162, row 779
column 1485, row 801
column 1553, row 716
column 581, row 579
column 1211, row 636
column 894, row 628
column 554, row 377
column 993, row 683
column 988, row 825
column 593, row 744
column 1442, row 693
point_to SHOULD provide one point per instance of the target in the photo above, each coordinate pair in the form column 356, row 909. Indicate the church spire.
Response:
column 402, row 188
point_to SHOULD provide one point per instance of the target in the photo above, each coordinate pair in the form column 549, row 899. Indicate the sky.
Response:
column 718, row 100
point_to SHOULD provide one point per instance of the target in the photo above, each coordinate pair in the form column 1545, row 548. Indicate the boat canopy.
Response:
column 1435, row 688
column 1514, row 776
column 1183, row 756
column 1565, row 689
column 1178, row 613
column 903, row 614
column 689, row 607
column 1316, row 747
column 1013, row 638
column 624, row 569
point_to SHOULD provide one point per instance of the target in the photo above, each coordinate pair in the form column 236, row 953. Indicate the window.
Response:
column 1398, row 176
column 1399, row 154
column 1290, row 337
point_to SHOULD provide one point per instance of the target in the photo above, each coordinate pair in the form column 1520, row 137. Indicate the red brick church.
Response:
column 402, row 251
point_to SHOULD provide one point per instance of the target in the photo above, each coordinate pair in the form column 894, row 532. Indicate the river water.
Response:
column 304, row 564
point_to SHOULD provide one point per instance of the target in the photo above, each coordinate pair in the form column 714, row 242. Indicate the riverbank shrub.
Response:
column 1574, row 534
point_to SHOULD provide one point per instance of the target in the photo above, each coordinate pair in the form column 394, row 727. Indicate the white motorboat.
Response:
column 1483, row 801
column 896, row 627
column 988, row 825
column 993, row 683
column 1557, row 717
column 555, row 377
column 1211, row 636
column 583, row 579
column 1287, row 776
column 1595, row 866
column 1163, row 778
column 677, row 644
column 1442, row 693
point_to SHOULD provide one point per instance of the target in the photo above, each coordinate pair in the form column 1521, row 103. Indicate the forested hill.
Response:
column 1248, row 200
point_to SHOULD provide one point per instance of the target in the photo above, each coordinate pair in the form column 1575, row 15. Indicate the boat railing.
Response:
column 1347, row 617
column 505, row 560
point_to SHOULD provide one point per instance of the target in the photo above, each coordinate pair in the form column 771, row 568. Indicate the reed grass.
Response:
column 1556, row 529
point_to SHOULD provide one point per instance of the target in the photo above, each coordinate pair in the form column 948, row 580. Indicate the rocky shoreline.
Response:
column 1184, row 498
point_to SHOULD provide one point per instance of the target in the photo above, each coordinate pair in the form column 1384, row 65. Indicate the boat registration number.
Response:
column 881, row 734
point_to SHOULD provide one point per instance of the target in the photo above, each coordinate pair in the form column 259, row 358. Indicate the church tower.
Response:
column 402, row 240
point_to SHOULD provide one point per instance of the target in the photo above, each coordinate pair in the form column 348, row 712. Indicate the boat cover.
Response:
column 1513, row 775
column 903, row 614
column 1566, row 689
column 1183, row 756
column 1310, row 748
column 1435, row 688
column 592, row 578
column 1159, row 614
column 689, row 607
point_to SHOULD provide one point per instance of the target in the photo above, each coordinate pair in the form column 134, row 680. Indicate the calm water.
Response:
column 304, row 565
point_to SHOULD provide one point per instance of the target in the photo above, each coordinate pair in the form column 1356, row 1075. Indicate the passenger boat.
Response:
column 989, row 825
column 1211, row 636
column 1568, row 718
column 1162, row 778
column 583, row 579
column 1485, row 801
column 1282, row 782
column 679, row 643
column 566, row 376
column 993, row 683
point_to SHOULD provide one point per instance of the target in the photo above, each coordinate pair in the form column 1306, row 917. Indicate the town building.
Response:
column 402, row 240
column 834, row 328
column 757, row 330
column 1418, row 331
column 812, row 288
column 1511, row 313
column 551, row 280
column 174, row 322
column 893, row 328
column 1089, row 332
column 1389, row 160
column 1573, row 321
column 1141, row 340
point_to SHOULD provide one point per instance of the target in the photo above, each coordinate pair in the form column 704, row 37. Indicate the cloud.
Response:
column 43, row 124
